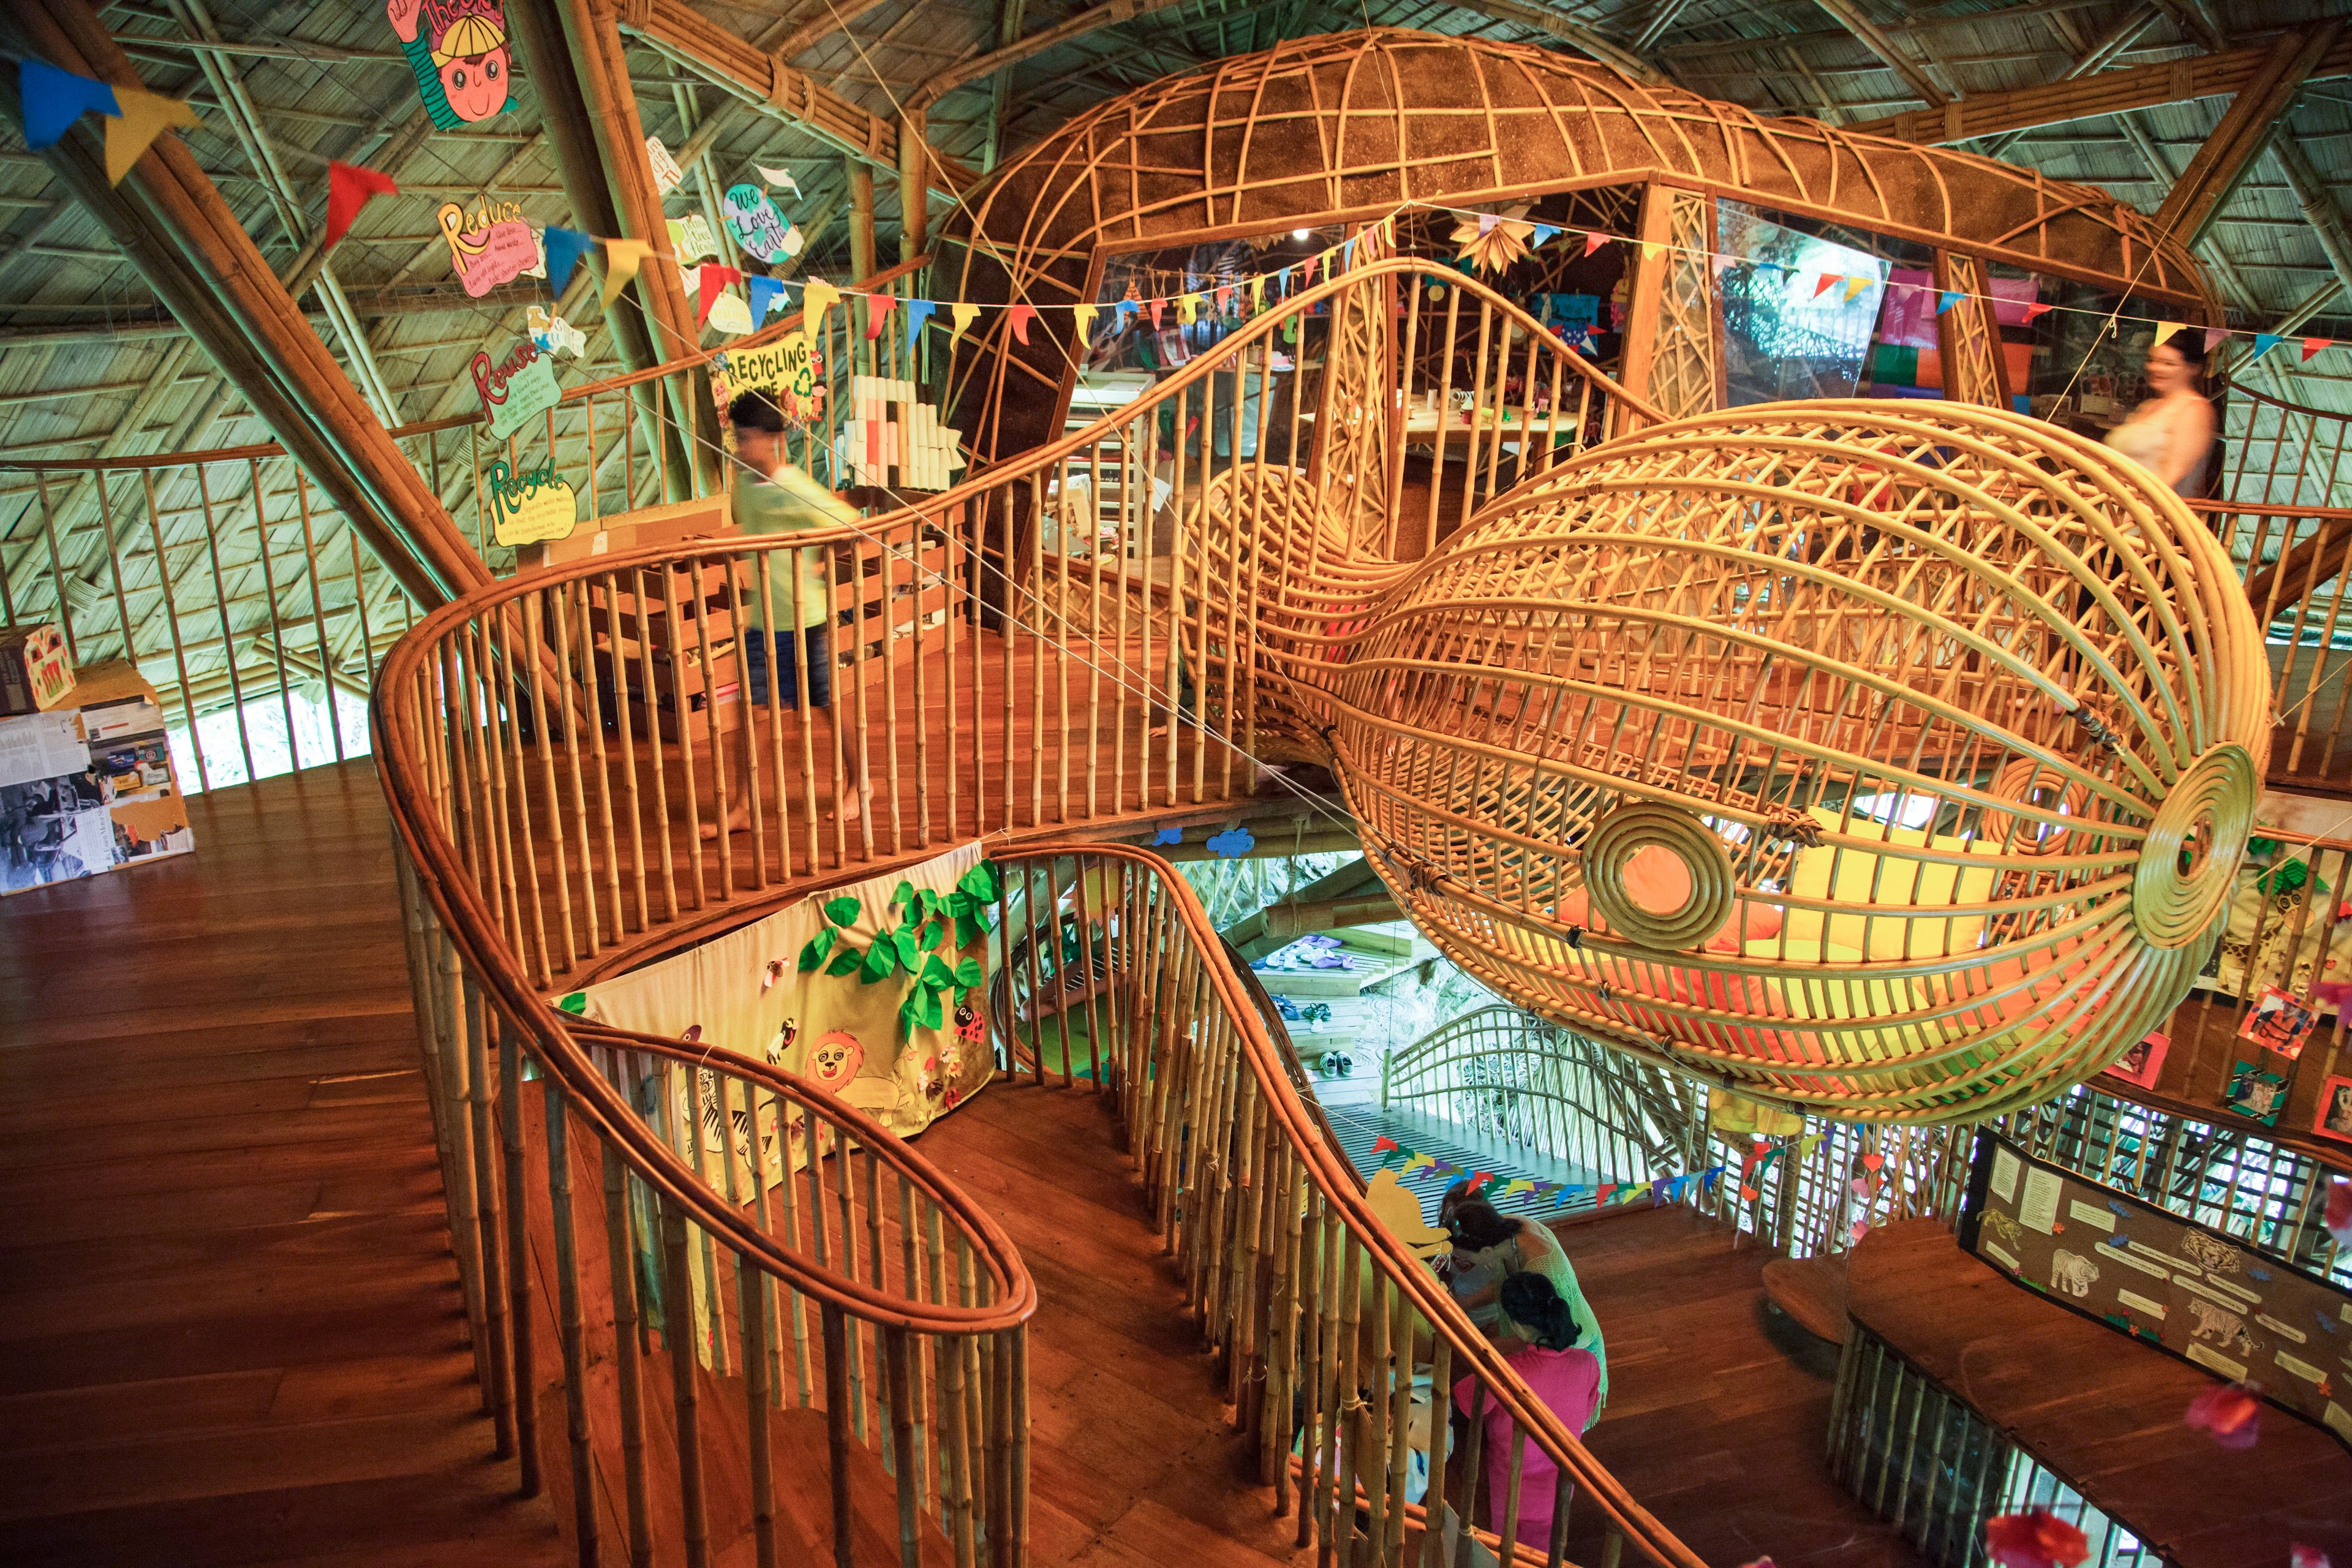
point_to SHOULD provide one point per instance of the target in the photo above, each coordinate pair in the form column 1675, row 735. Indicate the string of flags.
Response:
column 1658, row 1189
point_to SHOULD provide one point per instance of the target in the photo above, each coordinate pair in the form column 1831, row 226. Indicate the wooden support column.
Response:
column 172, row 224
column 1672, row 354
column 1968, row 339
column 999, row 84
column 2190, row 207
column 914, row 199
column 861, row 218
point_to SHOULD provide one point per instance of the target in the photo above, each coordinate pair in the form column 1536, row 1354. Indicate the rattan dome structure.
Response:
column 1891, row 761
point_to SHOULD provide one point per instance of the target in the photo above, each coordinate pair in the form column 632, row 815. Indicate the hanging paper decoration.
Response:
column 754, row 221
column 1594, row 242
column 1821, row 283
column 1545, row 234
column 1187, row 307
column 690, row 239
column 2339, row 1210
column 1084, row 317
column 878, row 311
column 553, row 334
column 1853, row 287
column 766, row 294
column 1017, row 318
column 817, row 296
column 2313, row 345
column 516, row 388
column 55, row 98
column 2214, row 336
column 489, row 243
column 456, row 50
column 2037, row 309
column 351, row 188
column 564, row 247
column 779, row 179
column 532, row 507
column 1232, row 843
column 795, row 241
column 2229, row 1414
column 667, row 176
column 2264, row 342
column 963, row 315
column 1948, row 299
column 2164, row 330
column 708, row 281
column 1159, row 309
column 622, row 259
column 786, row 370
column 917, row 313
column 728, row 314
column 142, row 117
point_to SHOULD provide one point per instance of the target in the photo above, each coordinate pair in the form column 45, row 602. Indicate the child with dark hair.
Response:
column 1491, row 1248
column 1563, row 1375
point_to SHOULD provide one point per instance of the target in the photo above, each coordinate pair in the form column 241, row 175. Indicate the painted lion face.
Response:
column 834, row 1059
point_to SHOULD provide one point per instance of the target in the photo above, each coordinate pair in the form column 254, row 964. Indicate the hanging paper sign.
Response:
column 516, row 388
column 781, row 179
column 553, row 334
column 488, row 244
column 794, row 241
column 756, row 223
column 786, row 370
column 728, row 314
column 457, row 50
column 531, row 507
column 667, row 176
column 690, row 238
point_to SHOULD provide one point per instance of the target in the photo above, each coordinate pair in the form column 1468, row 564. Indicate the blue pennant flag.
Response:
column 1128, row 308
column 1544, row 236
column 2264, row 342
column 917, row 313
column 55, row 98
column 565, row 246
column 766, row 294
column 1949, row 298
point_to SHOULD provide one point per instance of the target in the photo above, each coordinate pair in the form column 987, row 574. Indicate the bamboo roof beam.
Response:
column 2103, row 93
column 1849, row 16
column 2324, row 214
column 2095, row 57
column 2245, row 129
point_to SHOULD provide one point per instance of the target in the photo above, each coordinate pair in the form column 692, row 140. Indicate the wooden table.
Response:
column 2101, row 1409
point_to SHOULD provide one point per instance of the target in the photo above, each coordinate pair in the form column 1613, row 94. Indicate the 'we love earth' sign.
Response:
column 757, row 226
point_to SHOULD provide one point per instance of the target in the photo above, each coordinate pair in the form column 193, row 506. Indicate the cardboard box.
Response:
column 89, row 788
column 36, row 673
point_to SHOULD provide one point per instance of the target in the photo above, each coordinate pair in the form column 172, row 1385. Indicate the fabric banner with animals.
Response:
column 2185, row 1288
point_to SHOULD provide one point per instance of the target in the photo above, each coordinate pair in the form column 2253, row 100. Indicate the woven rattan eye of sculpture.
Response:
column 1971, row 711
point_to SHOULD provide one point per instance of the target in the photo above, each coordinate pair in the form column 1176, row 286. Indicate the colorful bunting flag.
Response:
column 917, row 313
column 1545, row 234
column 140, row 118
column 1084, row 317
column 817, row 296
column 2264, row 342
column 1853, row 287
column 1158, row 307
column 1017, row 317
column 2165, row 330
column 1382, row 1143
column 962, row 316
column 1594, row 242
column 350, row 188
column 878, row 311
column 564, row 247
column 766, row 293
column 2214, row 336
column 623, row 257
column 711, row 280
column 1948, row 299
column 1821, row 284
column 2313, row 345
column 55, row 98
column 2037, row 309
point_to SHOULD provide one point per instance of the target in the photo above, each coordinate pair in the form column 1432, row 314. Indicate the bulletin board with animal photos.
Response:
column 2182, row 1287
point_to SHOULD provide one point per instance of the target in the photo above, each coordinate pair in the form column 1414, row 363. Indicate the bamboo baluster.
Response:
column 57, row 571
column 318, row 609
column 518, row 1263
column 269, row 591
column 359, row 603
column 487, row 1214
column 171, row 614
column 837, row 1401
column 536, row 640
column 228, row 633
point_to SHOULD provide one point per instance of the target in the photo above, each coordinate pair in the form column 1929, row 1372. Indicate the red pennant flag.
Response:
column 712, row 278
column 1158, row 307
column 1224, row 297
column 2037, row 309
column 1594, row 242
column 349, row 189
column 1821, row 284
column 1017, row 318
column 878, row 311
column 1306, row 272
column 1478, row 1179
column 1601, row 1193
column 1381, row 1145
column 2311, row 346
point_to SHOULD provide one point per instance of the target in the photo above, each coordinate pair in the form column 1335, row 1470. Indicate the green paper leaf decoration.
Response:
column 881, row 959
column 980, row 881
column 847, row 960
column 959, row 903
column 575, row 1003
column 910, row 957
column 843, row 910
column 928, row 937
column 967, row 973
column 921, row 1009
column 935, row 973
column 925, row 902
column 967, row 930
column 905, row 895
column 818, row 946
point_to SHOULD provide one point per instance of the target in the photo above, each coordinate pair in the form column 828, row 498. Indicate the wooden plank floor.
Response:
column 230, row 1329
column 1719, row 1411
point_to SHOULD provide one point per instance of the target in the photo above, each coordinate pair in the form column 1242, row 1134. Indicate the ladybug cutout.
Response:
column 968, row 1027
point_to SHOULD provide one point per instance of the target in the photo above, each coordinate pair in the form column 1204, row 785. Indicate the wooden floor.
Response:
column 1719, row 1409
column 229, row 1323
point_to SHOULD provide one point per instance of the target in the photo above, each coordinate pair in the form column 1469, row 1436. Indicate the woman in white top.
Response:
column 2171, row 434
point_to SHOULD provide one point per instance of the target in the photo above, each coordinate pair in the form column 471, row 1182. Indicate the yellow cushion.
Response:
column 1861, row 884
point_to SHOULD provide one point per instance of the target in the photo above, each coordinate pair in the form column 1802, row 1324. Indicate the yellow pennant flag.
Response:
column 2163, row 328
column 1086, row 316
column 144, row 118
column 1853, row 287
column 1419, row 1161
column 1649, row 248
column 964, row 315
column 1187, row 307
column 1627, row 1194
column 622, row 259
column 1521, row 1184
column 816, row 298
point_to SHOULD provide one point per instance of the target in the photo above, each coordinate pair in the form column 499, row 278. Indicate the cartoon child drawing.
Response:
column 834, row 1059
column 461, row 73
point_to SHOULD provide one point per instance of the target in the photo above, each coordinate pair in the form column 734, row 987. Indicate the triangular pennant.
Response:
column 622, row 259
column 2214, row 336
column 1257, row 294
column 2265, row 341
column 878, row 311
column 55, row 98
column 139, row 119
column 1545, row 234
column 1594, row 242
column 1518, row 1185
column 917, row 313
column 709, row 281
column 2037, row 309
column 1159, row 311
column 1821, row 284
column 1187, row 307
column 961, row 315
column 1306, row 272
column 1718, row 264
column 1601, row 1192
column 2165, row 330
column 565, row 246
column 766, row 293
column 1487, row 222
column 1017, row 317
column 1419, row 1161
column 1224, row 299
column 1084, row 317
column 1948, row 299
column 2312, row 346
column 1385, row 1141
column 1853, row 287
column 817, row 296
column 350, row 188
column 1650, row 249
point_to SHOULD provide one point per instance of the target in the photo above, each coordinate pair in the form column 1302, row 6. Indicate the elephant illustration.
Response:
column 2071, row 1272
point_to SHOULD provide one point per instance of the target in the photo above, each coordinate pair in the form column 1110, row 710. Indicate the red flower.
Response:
column 2230, row 1412
column 2339, row 1210
column 2034, row 1539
